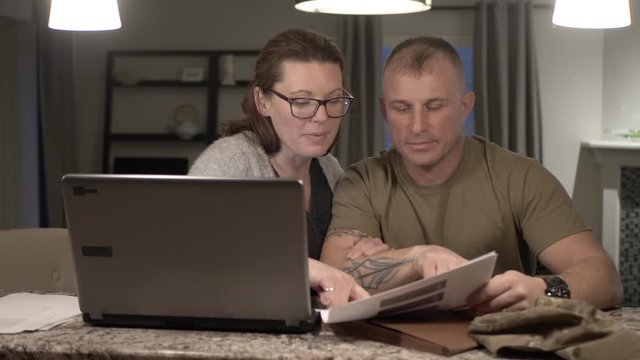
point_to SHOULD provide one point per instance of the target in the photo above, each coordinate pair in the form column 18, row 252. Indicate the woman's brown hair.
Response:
column 290, row 45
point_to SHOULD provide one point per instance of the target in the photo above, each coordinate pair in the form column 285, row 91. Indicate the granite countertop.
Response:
column 77, row 340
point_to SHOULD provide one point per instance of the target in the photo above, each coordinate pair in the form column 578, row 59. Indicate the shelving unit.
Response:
column 151, row 94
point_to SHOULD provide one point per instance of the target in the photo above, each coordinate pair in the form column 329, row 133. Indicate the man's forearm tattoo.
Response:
column 372, row 273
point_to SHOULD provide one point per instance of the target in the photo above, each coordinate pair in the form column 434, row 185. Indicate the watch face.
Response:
column 556, row 287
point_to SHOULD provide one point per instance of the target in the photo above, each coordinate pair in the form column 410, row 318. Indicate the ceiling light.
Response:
column 592, row 14
column 363, row 7
column 84, row 15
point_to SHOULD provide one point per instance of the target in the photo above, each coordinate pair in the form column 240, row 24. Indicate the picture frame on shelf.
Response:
column 192, row 74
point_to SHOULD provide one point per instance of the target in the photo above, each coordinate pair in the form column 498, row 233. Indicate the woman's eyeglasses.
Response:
column 305, row 108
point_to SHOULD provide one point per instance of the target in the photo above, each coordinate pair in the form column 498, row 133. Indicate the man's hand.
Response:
column 431, row 260
column 365, row 247
column 578, row 259
column 334, row 286
column 510, row 291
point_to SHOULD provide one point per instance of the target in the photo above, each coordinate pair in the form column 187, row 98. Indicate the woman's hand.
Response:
column 333, row 286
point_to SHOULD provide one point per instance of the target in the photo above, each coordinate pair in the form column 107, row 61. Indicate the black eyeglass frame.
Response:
column 290, row 100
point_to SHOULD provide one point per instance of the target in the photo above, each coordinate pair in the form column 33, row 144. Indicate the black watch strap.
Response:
column 556, row 287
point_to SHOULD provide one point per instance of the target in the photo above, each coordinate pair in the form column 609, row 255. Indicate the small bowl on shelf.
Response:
column 125, row 78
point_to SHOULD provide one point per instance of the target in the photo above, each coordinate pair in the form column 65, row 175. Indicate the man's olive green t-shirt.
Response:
column 496, row 200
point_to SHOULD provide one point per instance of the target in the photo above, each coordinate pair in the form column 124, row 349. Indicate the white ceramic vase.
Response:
column 186, row 130
column 227, row 72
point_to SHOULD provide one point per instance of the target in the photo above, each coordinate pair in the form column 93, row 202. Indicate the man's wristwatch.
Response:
column 556, row 287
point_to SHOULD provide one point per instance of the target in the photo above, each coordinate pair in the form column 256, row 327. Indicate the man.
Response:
column 439, row 197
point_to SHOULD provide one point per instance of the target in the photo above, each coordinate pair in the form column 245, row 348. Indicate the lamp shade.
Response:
column 84, row 15
column 363, row 7
column 592, row 14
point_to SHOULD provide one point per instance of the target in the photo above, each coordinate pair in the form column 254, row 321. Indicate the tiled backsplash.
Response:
column 630, row 234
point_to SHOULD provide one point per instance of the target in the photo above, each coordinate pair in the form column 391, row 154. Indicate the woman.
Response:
column 293, row 112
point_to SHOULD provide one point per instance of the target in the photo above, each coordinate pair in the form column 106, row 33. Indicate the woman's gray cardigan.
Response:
column 241, row 156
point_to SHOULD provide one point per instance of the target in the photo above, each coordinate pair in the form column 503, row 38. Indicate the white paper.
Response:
column 28, row 312
column 442, row 292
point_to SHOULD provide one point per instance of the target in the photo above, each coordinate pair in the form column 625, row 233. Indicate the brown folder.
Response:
column 440, row 333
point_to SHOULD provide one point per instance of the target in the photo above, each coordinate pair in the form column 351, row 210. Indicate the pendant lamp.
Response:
column 84, row 15
column 363, row 7
column 592, row 14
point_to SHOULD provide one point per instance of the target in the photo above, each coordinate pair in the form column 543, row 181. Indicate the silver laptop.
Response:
column 190, row 252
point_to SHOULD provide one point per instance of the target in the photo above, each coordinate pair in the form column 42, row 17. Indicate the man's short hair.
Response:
column 412, row 54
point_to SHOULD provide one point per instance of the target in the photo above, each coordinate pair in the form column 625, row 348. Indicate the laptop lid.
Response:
column 189, row 252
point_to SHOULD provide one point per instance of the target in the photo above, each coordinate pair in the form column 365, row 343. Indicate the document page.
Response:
column 28, row 312
column 446, row 291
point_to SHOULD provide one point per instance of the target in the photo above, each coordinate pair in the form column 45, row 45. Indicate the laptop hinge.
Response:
column 96, row 316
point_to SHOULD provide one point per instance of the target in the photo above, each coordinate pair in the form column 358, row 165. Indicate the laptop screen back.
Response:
column 172, row 248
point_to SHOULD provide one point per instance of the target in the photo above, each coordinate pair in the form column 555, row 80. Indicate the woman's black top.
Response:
column 319, row 214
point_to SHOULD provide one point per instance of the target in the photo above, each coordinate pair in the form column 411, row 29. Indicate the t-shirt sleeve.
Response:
column 352, row 207
column 545, row 210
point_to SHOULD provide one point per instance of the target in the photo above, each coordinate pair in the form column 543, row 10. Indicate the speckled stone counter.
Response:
column 77, row 340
